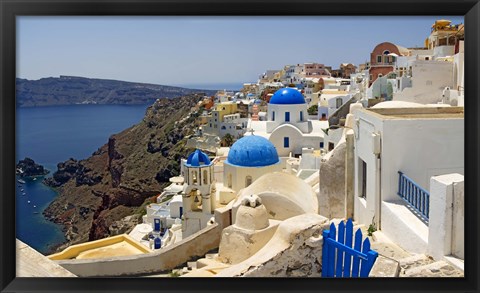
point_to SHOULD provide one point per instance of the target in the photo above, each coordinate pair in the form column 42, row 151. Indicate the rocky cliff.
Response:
column 68, row 90
column 98, row 194
column 27, row 168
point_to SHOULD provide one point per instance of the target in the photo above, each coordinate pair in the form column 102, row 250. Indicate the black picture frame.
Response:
column 9, row 9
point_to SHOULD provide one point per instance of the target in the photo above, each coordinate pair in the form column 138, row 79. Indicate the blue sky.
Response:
column 202, row 50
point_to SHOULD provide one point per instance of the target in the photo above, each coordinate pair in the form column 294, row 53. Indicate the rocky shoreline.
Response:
column 28, row 168
column 105, row 194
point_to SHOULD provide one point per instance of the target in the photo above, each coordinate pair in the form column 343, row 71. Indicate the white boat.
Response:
column 21, row 181
column 34, row 206
column 28, row 201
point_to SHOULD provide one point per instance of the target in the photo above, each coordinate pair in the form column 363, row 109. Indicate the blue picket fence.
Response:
column 416, row 197
column 342, row 260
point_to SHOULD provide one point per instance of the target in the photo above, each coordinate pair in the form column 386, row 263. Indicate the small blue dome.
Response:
column 287, row 96
column 252, row 151
column 197, row 159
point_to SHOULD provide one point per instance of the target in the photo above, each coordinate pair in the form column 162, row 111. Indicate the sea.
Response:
column 53, row 134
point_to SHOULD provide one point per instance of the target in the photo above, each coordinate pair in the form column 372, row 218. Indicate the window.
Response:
column 273, row 115
column 339, row 102
column 248, row 180
column 331, row 146
column 379, row 58
column 287, row 116
column 286, row 142
column 205, row 177
column 230, row 180
column 194, row 177
column 363, row 179
column 301, row 115
column 321, row 144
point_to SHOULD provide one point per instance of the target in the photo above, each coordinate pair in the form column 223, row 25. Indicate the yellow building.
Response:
column 223, row 109
column 443, row 33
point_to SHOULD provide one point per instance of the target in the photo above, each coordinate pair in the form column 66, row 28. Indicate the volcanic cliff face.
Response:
column 95, row 194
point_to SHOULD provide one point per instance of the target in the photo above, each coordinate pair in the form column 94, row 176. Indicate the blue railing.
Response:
column 416, row 197
column 340, row 259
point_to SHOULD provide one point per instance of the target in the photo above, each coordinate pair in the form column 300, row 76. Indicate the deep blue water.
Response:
column 50, row 135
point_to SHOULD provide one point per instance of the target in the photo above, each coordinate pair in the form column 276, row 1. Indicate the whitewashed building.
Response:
column 418, row 142
column 287, row 125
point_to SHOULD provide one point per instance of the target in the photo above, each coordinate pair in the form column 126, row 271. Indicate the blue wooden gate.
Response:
column 340, row 259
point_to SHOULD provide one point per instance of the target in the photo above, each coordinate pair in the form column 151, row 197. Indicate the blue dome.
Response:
column 287, row 96
column 197, row 159
column 252, row 151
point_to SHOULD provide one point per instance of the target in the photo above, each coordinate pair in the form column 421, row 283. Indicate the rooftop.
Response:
column 419, row 113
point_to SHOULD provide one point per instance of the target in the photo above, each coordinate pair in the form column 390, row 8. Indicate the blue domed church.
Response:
column 249, row 158
column 198, row 197
column 288, row 126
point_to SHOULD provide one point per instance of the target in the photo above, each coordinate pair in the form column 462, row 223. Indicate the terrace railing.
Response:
column 415, row 196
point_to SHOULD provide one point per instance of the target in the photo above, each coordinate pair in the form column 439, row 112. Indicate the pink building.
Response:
column 315, row 69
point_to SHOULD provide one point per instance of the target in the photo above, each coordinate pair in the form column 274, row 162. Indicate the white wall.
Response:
column 239, row 174
column 443, row 51
column 155, row 262
column 447, row 218
column 294, row 111
column 429, row 78
column 297, row 140
column 420, row 149
column 364, row 208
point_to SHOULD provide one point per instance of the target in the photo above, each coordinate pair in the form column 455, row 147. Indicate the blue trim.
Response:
column 414, row 195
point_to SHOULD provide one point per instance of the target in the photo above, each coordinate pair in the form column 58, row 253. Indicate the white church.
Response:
column 287, row 125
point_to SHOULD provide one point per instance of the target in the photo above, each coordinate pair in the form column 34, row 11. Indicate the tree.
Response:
column 313, row 110
column 227, row 140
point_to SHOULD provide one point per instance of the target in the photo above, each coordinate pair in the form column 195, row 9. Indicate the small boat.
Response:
column 23, row 193
column 21, row 190
column 34, row 206
column 35, row 178
column 28, row 201
column 21, row 181
column 35, row 212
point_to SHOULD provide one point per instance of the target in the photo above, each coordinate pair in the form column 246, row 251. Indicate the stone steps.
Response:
column 435, row 269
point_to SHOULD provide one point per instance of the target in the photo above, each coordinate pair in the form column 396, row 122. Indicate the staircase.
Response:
column 420, row 265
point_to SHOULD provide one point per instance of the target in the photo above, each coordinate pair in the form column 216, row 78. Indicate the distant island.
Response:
column 71, row 90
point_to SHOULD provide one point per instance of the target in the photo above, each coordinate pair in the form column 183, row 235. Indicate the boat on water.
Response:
column 28, row 201
column 21, row 181
column 22, row 190
column 35, row 212
column 23, row 193
column 34, row 206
